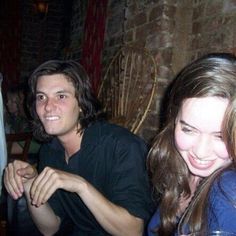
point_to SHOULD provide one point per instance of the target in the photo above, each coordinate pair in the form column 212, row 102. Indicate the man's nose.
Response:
column 50, row 104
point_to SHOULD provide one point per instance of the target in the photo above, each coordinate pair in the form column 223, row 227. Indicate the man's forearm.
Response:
column 44, row 218
column 114, row 219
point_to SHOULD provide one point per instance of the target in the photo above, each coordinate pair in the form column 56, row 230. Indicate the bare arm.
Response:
column 18, row 178
column 114, row 219
column 44, row 217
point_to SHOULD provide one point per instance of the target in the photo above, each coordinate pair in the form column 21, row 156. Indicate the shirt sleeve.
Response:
column 154, row 223
column 222, row 203
column 130, row 183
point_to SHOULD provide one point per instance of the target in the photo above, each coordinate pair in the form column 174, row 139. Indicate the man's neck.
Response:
column 71, row 144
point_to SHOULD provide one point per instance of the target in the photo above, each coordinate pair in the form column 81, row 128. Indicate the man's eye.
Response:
column 40, row 97
column 62, row 96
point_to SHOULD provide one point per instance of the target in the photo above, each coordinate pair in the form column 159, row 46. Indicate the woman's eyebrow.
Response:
column 182, row 122
column 186, row 124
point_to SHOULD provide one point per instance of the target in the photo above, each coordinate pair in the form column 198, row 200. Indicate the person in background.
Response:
column 192, row 169
column 92, row 178
column 17, row 120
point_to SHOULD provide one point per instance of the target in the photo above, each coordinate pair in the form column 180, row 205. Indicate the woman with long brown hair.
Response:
column 190, row 163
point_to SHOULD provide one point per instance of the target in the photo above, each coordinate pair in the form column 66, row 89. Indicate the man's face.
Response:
column 56, row 105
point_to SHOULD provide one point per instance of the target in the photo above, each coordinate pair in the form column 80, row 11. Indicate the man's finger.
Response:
column 28, row 172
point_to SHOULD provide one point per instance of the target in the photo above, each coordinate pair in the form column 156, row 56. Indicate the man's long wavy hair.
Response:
column 211, row 75
column 87, row 101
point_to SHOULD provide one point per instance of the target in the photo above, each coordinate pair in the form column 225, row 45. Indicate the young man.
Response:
column 92, row 178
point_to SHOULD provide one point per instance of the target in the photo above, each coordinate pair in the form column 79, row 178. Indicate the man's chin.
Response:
column 51, row 132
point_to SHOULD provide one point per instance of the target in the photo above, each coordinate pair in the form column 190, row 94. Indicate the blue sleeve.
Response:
column 222, row 203
column 153, row 224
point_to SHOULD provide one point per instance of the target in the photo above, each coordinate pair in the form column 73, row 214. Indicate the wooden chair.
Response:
column 25, row 139
column 128, row 87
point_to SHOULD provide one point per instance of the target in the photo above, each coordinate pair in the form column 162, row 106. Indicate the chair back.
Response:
column 25, row 138
column 128, row 87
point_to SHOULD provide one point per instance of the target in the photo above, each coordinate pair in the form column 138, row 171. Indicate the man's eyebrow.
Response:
column 57, row 92
column 38, row 91
column 63, row 91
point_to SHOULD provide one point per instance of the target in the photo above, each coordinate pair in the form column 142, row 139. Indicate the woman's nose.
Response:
column 202, row 147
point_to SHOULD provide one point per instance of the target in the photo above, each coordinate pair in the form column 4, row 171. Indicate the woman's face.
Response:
column 198, row 136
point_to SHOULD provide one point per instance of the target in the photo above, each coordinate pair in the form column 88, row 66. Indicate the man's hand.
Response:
column 114, row 219
column 49, row 181
column 18, row 178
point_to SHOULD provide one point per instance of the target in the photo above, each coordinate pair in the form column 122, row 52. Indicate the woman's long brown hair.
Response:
column 211, row 75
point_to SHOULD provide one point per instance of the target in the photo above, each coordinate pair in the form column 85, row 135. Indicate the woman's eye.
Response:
column 219, row 137
column 186, row 130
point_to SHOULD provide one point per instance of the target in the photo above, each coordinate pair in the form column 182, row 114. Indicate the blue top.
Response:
column 221, row 207
column 112, row 159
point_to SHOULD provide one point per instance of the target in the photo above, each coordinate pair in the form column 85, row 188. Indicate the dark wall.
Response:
column 10, row 33
column 43, row 35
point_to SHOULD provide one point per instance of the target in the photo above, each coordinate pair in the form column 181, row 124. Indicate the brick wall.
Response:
column 175, row 32
column 149, row 24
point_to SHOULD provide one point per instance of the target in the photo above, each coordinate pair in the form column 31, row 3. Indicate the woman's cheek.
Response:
column 183, row 141
column 221, row 151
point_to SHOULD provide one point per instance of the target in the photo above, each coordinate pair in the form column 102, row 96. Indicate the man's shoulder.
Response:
column 114, row 128
column 118, row 132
